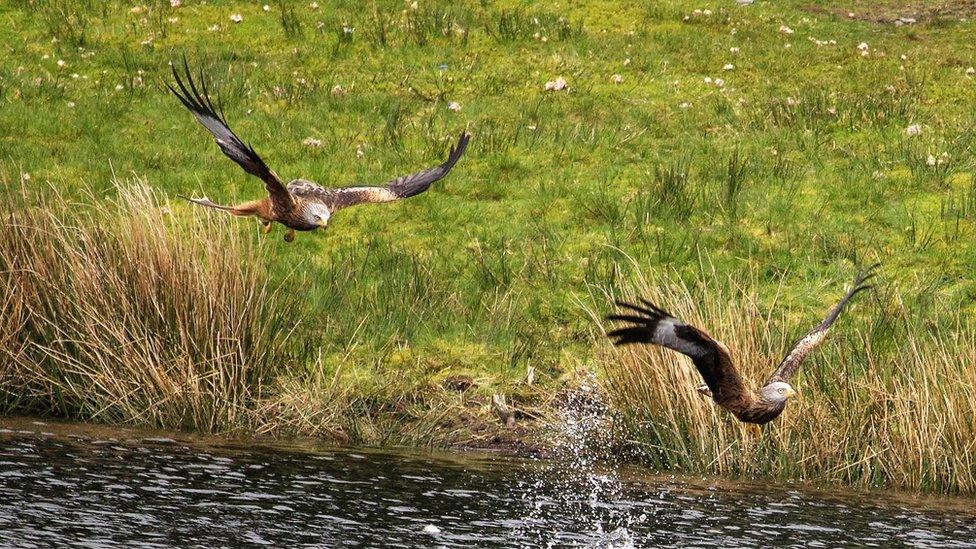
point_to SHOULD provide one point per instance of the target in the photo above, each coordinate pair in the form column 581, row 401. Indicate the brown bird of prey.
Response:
column 301, row 205
column 651, row 324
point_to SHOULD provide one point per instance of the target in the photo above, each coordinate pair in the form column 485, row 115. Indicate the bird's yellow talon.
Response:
column 266, row 228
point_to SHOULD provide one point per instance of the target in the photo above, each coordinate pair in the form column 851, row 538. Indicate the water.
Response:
column 84, row 486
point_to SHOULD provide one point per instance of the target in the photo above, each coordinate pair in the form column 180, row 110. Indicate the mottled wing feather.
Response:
column 653, row 325
column 198, row 101
column 401, row 187
column 789, row 366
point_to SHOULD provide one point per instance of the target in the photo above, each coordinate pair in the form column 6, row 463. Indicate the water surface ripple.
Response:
column 121, row 489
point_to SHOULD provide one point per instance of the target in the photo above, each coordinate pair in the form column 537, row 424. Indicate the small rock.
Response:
column 556, row 85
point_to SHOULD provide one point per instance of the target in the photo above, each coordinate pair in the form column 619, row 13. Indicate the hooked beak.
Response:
column 790, row 393
column 322, row 223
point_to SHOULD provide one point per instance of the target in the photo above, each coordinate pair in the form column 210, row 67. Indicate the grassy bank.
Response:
column 782, row 177
column 890, row 402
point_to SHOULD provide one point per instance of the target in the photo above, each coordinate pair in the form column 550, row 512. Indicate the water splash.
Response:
column 580, row 482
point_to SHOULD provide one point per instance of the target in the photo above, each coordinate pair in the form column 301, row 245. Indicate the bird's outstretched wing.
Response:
column 788, row 367
column 198, row 101
column 651, row 324
column 401, row 187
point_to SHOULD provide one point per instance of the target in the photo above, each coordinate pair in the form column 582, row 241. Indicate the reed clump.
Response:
column 888, row 401
column 123, row 313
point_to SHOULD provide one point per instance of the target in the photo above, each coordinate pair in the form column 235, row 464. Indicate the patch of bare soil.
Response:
column 893, row 12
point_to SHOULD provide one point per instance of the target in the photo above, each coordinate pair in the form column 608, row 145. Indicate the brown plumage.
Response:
column 651, row 324
column 301, row 204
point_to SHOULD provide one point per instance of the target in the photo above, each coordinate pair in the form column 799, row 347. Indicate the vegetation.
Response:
column 736, row 163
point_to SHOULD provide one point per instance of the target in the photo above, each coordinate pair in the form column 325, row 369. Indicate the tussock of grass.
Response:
column 124, row 313
column 886, row 403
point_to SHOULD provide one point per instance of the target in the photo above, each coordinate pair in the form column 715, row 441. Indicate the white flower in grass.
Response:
column 236, row 18
column 617, row 79
column 733, row 50
column 706, row 13
column 314, row 5
column 719, row 83
column 684, row 105
column 708, row 79
column 61, row 63
column 71, row 104
column 119, row 87
column 931, row 161
column 172, row 20
column 338, row 91
column 136, row 9
column 728, row 67
column 25, row 176
column 913, row 130
column 792, row 102
column 970, row 72
column 783, row 29
column 556, row 85
column 266, row 7
column 863, row 48
column 214, row 28
column 312, row 142
column 626, row 61
column 454, row 106
column 175, row 3
column 360, row 152
column 696, row 12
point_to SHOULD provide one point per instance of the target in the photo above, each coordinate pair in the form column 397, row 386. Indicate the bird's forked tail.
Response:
column 243, row 209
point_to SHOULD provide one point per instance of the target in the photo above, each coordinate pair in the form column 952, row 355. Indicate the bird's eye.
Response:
column 782, row 390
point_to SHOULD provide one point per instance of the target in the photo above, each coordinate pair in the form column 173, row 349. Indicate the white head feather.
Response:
column 777, row 391
column 317, row 214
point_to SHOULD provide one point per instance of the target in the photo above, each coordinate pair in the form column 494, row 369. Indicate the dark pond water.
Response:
column 83, row 486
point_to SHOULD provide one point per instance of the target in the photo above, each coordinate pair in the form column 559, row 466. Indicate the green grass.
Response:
column 793, row 172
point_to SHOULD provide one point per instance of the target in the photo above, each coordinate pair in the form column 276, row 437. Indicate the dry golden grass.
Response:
column 887, row 402
column 123, row 313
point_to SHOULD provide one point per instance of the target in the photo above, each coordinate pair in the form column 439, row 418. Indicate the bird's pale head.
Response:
column 317, row 214
column 777, row 391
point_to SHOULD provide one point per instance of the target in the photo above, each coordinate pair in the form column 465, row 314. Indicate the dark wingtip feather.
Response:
column 641, row 325
column 457, row 150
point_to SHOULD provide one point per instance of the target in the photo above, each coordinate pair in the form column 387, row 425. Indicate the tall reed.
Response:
column 888, row 401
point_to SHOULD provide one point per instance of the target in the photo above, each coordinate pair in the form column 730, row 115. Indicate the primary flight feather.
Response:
column 301, row 204
column 648, row 323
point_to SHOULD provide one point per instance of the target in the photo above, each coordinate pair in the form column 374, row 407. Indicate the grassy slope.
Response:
column 486, row 274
